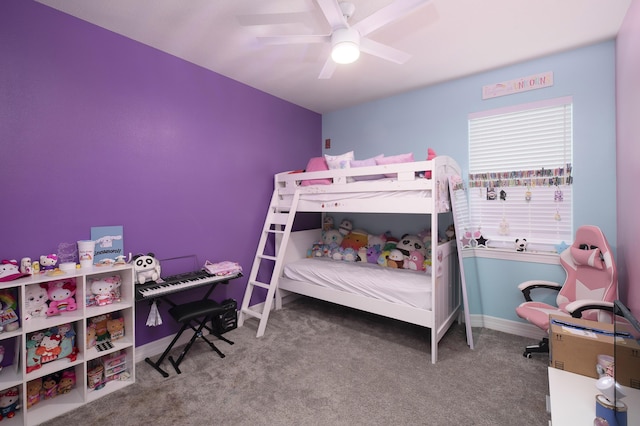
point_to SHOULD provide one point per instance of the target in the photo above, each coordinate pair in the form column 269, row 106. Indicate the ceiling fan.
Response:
column 347, row 41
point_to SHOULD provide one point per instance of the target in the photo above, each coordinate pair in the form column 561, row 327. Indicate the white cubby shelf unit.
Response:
column 19, row 373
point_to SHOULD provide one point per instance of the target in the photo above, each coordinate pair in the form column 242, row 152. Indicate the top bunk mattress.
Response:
column 400, row 286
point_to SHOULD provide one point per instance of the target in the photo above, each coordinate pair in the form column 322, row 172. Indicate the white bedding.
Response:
column 398, row 286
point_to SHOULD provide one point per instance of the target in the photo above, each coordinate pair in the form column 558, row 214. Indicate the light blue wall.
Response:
column 437, row 117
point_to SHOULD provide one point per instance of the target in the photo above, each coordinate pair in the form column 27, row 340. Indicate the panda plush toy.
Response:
column 409, row 243
column 146, row 268
column 521, row 244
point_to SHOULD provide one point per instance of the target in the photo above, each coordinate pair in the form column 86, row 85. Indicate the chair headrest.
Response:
column 588, row 256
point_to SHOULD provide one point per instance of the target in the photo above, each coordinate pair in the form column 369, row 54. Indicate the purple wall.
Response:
column 96, row 130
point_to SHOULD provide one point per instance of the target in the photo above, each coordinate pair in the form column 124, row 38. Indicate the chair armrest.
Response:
column 527, row 286
column 577, row 307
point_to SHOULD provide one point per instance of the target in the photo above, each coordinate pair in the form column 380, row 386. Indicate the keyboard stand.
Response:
column 187, row 323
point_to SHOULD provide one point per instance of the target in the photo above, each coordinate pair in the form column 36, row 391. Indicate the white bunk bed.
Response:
column 407, row 193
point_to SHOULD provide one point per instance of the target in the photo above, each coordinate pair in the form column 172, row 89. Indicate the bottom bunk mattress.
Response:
column 399, row 286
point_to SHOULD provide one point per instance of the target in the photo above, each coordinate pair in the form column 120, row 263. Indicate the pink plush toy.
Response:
column 431, row 154
column 415, row 261
column 61, row 298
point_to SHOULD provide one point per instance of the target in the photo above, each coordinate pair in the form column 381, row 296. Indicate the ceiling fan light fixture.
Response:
column 345, row 52
column 346, row 45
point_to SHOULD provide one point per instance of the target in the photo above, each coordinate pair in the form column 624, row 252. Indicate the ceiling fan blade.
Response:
column 294, row 39
column 328, row 69
column 383, row 51
column 333, row 13
column 396, row 10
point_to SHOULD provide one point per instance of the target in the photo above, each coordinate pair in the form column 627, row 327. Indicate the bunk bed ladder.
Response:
column 277, row 226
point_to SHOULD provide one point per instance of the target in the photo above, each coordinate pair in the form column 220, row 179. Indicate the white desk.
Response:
column 573, row 399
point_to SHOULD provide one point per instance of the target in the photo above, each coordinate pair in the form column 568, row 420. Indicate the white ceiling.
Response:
column 447, row 39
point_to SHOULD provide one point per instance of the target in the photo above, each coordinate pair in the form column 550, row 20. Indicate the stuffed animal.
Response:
column 9, row 270
column 332, row 236
column 336, row 253
column 67, row 381
column 327, row 223
column 346, row 226
column 60, row 294
column 395, row 259
column 48, row 262
column 409, row 243
column 146, row 268
column 521, row 244
column 362, row 254
column 35, row 301
column 415, row 261
column 105, row 290
column 34, row 387
column 450, row 233
column 373, row 253
column 376, row 240
column 9, row 403
column 115, row 327
column 354, row 240
column 50, row 386
column 349, row 254
column 383, row 257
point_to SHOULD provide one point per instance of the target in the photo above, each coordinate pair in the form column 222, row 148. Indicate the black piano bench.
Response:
column 199, row 312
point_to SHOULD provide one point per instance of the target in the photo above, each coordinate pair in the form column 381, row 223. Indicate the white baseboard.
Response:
column 507, row 326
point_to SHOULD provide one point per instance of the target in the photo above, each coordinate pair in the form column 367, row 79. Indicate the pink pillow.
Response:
column 395, row 159
column 587, row 257
column 367, row 163
column 316, row 164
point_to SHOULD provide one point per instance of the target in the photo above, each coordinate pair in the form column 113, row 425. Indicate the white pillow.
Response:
column 342, row 161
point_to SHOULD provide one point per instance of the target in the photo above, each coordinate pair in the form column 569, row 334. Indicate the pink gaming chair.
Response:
column 588, row 292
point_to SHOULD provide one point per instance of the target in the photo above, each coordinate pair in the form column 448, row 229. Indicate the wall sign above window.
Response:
column 523, row 84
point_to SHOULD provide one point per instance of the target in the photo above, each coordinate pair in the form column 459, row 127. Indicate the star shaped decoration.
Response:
column 482, row 241
column 561, row 247
column 466, row 241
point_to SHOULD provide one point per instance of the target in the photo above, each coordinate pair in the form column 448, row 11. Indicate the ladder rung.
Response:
column 252, row 313
column 259, row 284
column 265, row 256
column 275, row 231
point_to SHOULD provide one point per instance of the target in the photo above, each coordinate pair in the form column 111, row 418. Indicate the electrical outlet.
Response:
column 327, row 143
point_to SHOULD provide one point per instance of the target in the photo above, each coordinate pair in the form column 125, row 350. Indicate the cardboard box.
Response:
column 576, row 343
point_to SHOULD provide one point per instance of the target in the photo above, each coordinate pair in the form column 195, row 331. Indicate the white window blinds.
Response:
column 520, row 163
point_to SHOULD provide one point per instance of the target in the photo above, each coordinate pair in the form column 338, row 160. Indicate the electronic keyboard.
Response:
column 177, row 283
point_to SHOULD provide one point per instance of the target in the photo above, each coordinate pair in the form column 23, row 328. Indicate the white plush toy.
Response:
column 146, row 267
column 35, row 303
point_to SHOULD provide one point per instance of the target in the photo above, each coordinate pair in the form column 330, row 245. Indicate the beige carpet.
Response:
column 320, row 364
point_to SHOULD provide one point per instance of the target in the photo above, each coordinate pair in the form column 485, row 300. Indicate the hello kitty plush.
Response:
column 48, row 262
column 9, row 403
column 35, row 303
column 61, row 298
column 105, row 290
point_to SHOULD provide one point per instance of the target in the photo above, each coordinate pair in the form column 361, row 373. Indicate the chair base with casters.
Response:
column 542, row 347
column 194, row 315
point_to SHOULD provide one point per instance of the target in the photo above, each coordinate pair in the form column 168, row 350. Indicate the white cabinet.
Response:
column 41, row 347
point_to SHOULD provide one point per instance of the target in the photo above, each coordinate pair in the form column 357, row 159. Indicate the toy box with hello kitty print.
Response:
column 51, row 344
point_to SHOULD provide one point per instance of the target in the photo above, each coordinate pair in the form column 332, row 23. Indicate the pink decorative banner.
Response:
column 523, row 84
